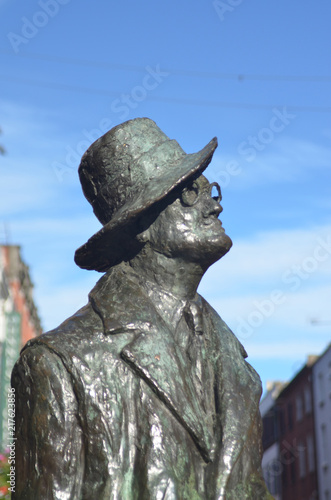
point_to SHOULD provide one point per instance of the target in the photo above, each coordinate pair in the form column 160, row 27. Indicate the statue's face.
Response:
column 189, row 227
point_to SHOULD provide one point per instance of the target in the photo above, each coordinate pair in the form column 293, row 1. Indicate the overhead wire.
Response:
column 179, row 72
column 174, row 100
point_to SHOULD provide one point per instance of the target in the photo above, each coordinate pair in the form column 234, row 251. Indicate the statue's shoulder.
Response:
column 220, row 329
column 85, row 324
column 114, row 302
column 229, row 351
column 69, row 337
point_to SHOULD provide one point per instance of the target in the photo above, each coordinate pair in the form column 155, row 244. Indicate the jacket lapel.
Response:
column 156, row 359
column 153, row 353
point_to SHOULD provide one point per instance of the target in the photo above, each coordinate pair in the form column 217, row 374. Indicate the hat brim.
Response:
column 106, row 247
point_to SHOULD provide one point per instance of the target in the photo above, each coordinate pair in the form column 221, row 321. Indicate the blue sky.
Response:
column 255, row 74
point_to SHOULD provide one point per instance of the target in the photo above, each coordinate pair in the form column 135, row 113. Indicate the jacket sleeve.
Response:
column 238, row 395
column 49, row 458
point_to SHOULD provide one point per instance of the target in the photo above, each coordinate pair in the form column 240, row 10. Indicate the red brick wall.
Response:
column 299, row 482
column 27, row 328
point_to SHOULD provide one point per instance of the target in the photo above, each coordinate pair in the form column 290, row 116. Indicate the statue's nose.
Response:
column 212, row 207
column 218, row 208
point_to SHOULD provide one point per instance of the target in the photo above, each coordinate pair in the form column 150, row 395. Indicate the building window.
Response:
column 269, row 429
column 290, row 416
column 292, row 472
column 308, row 405
column 310, row 453
column 271, row 474
column 324, row 445
column 281, row 421
column 268, row 478
column 285, row 475
column 302, row 458
column 321, row 389
column 299, row 407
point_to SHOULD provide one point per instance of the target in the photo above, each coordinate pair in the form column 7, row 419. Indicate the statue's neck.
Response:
column 177, row 276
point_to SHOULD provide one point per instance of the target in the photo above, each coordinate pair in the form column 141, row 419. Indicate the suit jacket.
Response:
column 107, row 407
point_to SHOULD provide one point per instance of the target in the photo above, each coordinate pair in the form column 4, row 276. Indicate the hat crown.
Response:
column 120, row 164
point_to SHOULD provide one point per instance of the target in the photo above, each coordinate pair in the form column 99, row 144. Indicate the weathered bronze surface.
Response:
column 144, row 393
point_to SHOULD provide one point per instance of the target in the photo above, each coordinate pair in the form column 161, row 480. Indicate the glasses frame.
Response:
column 194, row 188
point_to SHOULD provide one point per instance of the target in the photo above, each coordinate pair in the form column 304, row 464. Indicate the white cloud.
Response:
column 303, row 153
column 58, row 228
column 21, row 190
column 327, row 133
column 260, row 311
column 281, row 350
column 60, row 302
column 284, row 160
column 266, row 301
column 264, row 260
column 26, row 124
column 28, row 179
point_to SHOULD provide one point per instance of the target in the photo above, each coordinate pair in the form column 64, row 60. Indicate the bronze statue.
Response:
column 143, row 394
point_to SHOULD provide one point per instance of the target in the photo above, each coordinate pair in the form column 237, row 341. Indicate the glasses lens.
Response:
column 190, row 194
column 216, row 192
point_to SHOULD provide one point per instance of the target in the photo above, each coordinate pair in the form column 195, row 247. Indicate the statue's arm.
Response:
column 49, row 461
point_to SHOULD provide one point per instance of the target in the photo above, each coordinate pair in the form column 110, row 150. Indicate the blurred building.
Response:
column 296, row 427
column 271, row 465
column 19, row 320
column 322, row 411
column 291, row 449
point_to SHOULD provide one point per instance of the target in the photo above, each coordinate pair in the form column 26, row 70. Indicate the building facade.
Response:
column 271, row 465
column 297, row 437
column 322, row 411
column 290, row 457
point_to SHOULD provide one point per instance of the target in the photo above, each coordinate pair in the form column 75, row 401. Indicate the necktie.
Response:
column 199, row 366
column 193, row 317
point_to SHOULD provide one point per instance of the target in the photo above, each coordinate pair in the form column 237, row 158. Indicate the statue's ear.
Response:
column 143, row 237
column 144, row 224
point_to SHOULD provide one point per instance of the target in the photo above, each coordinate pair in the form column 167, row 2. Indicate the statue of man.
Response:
column 144, row 393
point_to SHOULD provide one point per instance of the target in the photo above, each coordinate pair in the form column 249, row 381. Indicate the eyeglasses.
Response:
column 190, row 194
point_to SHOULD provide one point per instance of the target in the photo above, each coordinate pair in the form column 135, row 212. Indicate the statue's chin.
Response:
column 223, row 247
column 215, row 250
column 227, row 243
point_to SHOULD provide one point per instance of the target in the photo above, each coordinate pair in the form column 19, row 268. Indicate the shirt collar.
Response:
column 167, row 304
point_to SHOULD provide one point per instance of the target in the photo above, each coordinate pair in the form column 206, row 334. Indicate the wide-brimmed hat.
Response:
column 123, row 174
